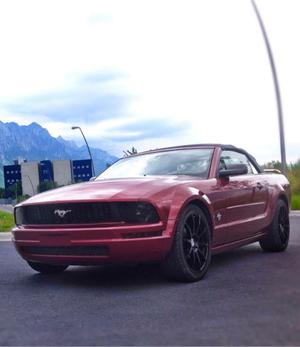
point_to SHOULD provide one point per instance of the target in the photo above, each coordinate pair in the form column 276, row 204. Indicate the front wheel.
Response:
column 47, row 268
column 278, row 235
column 190, row 255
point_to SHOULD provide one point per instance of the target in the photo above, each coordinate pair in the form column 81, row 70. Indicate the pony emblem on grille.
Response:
column 62, row 213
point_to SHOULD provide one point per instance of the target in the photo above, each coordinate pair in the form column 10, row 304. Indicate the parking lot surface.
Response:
column 247, row 298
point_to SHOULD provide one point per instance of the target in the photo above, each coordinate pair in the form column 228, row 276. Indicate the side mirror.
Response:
column 233, row 170
column 92, row 178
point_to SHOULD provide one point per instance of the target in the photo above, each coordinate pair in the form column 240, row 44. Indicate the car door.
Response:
column 233, row 199
column 260, row 196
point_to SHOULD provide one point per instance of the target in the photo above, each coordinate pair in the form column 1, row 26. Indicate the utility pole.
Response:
column 276, row 86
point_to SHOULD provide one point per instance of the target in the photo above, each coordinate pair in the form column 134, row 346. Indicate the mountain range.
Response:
column 33, row 142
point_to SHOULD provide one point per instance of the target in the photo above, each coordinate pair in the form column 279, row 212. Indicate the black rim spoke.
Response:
column 195, row 242
column 194, row 224
column 198, row 258
column 283, row 225
column 188, row 228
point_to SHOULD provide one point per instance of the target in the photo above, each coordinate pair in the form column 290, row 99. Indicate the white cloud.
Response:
column 199, row 63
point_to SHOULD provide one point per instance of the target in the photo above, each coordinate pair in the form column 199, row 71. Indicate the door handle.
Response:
column 259, row 185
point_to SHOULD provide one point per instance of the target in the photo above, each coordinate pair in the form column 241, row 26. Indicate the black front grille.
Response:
column 68, row 250
column 86, row 213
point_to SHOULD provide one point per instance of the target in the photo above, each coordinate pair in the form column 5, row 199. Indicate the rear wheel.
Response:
column 190, row 255
column 47, row 268
column 277, row 238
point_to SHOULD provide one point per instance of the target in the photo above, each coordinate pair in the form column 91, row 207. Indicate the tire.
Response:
column 277, row 238
column 47, row 268
column 190, row 254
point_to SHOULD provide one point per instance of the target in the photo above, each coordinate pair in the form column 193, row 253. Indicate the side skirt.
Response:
column 235, row 244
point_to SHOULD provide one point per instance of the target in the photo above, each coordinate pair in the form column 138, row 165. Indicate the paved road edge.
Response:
column 5, row 236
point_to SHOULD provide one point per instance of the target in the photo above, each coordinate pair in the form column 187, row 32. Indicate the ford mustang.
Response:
column 177, row 206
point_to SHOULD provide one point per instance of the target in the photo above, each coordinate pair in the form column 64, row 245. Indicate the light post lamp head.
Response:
column 73, row 128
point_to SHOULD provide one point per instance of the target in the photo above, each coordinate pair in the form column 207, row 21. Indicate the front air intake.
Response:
column 67, row 250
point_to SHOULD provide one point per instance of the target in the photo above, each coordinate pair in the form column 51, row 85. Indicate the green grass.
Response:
column 6, row 221
column 295, row 202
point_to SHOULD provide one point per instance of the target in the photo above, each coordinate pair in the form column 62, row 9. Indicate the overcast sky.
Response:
column 152, row 73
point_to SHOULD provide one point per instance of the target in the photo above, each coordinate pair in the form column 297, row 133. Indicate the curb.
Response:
column 5, row 236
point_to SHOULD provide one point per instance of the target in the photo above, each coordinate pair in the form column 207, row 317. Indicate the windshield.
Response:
column 194, row 162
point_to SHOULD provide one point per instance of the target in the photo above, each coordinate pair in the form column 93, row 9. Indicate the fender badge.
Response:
column 218, row 216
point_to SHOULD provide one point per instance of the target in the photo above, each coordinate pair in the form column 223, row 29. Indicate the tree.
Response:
column 294, row 177
column 14, row 190
column 128, row 153
column 274, row 164
column 47, row 185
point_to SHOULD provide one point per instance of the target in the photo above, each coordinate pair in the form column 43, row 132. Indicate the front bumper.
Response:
column 122, row 244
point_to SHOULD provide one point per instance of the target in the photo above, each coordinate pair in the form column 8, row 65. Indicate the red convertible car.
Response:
column 176, row 206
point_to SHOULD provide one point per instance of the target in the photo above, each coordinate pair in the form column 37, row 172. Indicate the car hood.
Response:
column 114, row 189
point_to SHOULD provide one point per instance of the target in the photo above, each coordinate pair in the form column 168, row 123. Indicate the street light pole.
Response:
column 88, row 148
column 276, row 86
column 27, row 176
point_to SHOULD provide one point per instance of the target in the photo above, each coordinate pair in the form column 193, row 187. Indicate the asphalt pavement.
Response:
column 247, row 298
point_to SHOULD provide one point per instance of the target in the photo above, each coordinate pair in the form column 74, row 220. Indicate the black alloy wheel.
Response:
column 190, row 255
column 196, row 242
column 283, row 224
column 278, row 235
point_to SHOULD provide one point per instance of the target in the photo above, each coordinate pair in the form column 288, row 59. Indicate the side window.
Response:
column 232, row 157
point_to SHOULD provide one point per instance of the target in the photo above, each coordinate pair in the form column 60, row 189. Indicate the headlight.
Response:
column 140, row 212
column 18, row 216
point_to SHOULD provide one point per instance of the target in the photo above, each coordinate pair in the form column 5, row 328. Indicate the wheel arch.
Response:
column 284, row 199
column 191, row 196
column 206, row 211
column 275, row 199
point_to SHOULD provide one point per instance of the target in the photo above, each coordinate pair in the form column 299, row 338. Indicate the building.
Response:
column 30, row 177
column 62, row 172
column 12, row 175
column 46, row 171
column 31, row 174
column 82, row 170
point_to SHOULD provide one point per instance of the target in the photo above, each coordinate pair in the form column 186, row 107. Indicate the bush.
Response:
column 274, row 164
column 294, row 179
column 14, row 190
column 21, row 198
column 44, row 186
column 295, row 203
